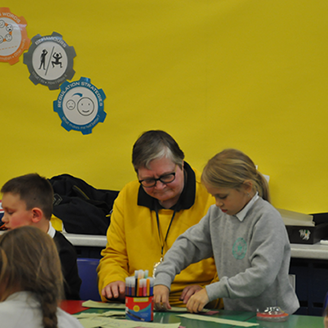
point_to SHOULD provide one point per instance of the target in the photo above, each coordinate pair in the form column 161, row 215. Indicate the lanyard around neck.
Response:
column 168, row 229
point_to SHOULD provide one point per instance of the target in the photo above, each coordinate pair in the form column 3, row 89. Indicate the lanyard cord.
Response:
column 168, row 229
column 174, row 212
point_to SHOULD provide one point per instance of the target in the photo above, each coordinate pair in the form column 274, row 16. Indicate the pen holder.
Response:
column 139, row 308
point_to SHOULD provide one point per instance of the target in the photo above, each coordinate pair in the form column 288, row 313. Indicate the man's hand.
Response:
column 115, row 290
column 197, row 301
column 161, row 298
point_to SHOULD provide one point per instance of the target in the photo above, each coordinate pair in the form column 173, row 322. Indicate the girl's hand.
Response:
column 161, row 298
column 197, row 301
column 188, row 292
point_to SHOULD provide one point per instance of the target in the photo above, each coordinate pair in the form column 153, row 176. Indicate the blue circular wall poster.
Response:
column 50, row 60
column 80, row 105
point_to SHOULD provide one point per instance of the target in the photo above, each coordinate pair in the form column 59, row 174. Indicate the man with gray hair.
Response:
column 149, row 214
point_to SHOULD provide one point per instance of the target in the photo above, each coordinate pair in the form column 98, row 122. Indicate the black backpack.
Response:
column 82, row 208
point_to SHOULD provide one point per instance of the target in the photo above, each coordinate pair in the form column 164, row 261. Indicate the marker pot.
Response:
column 139, row 308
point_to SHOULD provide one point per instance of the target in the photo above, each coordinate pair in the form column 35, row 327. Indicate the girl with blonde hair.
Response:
column 31, row 281
column 246, row 236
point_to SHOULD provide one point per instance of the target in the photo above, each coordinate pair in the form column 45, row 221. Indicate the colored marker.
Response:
column 148, row 287
column 136, row 283
column 151, row 286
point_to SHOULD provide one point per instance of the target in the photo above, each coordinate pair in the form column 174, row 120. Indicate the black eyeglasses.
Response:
column 165, row 178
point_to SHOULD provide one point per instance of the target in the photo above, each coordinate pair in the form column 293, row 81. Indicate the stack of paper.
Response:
column 296, row 219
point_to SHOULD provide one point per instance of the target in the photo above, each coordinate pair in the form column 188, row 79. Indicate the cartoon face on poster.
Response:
column 13, row 36
column 50, row 60
column 80, row 105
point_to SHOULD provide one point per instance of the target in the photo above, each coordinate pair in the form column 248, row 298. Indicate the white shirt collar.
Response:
column 51, row 230
column 242, row 214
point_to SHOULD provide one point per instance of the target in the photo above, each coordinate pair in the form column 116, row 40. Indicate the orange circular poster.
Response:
column 13, row 36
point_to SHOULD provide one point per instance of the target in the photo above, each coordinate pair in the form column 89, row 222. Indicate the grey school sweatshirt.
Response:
column 252, row 258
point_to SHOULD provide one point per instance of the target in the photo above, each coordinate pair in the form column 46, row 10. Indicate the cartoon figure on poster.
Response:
column 80, row 105
column 50, row 60
column 13, row 36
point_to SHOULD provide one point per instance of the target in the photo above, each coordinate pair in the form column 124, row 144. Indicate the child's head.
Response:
column 29, row 261
column 231, row 169
column 27, row 200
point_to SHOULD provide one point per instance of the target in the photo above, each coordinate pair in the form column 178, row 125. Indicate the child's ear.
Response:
column 37, row 214
column 248, row 186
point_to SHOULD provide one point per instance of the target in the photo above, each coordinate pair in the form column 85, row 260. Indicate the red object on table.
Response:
column 72, row 307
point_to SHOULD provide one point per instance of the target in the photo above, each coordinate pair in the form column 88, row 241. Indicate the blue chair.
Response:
column 88, row 273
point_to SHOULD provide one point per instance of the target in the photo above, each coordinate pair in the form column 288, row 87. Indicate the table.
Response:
column 306, row 251
column 309, row 266
column 294, row 321
column 98, row 242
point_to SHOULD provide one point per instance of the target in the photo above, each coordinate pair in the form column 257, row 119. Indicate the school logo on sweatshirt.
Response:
column 239, row 248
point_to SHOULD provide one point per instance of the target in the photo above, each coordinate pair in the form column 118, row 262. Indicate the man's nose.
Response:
column 160, row 185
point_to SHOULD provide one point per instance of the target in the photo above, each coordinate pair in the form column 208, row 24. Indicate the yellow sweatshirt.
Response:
column 133, row 241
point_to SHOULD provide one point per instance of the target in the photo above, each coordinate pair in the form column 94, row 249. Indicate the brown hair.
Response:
column 34, row 190
column 230, row 169
column 29, row 261
column 155, row 144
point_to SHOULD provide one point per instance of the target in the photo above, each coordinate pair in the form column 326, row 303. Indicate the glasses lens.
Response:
column 148, row 183
column 168, row 178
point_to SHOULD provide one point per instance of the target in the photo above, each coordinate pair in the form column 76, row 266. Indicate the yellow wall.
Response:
column 248, row 74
